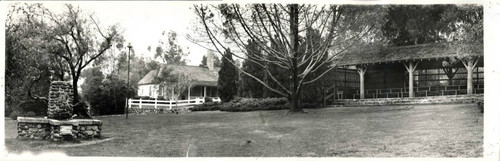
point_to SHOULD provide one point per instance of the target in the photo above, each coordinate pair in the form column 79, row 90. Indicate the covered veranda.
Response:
column 423, row 70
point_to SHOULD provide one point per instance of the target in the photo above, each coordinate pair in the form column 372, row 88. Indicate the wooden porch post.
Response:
column 173, row 94
column 204, row 91
column 361, row 71
column 469, row 64
column 410, row 68
column 189, row 93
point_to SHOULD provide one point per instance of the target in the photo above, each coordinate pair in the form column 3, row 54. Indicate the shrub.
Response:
column 239, row 104
column 209, row 106
column 8, row 111
column 480, row 105
column 30, row 114
column 38, row 107
column 13, row 115
column 253, row 104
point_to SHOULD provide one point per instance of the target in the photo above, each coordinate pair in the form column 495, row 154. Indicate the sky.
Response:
column 143, row 23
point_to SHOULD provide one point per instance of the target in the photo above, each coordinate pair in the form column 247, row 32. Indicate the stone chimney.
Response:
column 210, row 60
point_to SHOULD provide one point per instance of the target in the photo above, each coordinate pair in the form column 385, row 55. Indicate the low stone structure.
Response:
column 33, row 128
column 59, row 124
column 414, row 100
column 55, row 130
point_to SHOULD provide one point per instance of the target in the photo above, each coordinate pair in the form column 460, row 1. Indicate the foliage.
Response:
column 28, row 65
column 469, row 29
column 39, row 107
column 245, row 104
column 80, row 40
column 105, row 95
column 276, row 29
column 172, row 84
column 417, row 24
column 250, row 87
column 209, row 106
column 139, row 67
column 217, row 61
column 170, row 52
column 228, row 77
column 14, row 114
column 42, row 44
column 30, row 114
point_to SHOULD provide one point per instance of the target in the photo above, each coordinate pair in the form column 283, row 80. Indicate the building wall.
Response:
column 382, row 79
column 149, row 90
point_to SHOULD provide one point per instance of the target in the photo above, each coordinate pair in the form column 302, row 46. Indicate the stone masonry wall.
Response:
column 415, row 100
column 36, row 131
column 89, row 129
column 60, row 100
column 45, row 129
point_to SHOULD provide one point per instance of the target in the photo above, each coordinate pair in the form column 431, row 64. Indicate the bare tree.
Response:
column 280, row 29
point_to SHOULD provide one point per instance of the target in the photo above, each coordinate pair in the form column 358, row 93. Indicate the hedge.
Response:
column 250, row 104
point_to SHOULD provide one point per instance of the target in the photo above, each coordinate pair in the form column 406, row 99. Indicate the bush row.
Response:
column 250, row 104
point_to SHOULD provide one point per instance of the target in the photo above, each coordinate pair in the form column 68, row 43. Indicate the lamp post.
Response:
column 128, row 82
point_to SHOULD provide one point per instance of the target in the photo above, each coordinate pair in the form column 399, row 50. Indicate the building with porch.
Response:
column 432, row 69
column 203, row 81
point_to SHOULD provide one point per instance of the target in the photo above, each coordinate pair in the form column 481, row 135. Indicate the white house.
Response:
column 204, row 81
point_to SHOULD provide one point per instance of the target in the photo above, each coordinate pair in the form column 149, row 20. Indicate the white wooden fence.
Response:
column 148, row 103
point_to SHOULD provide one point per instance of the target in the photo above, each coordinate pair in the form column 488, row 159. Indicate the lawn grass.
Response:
column 390, row 131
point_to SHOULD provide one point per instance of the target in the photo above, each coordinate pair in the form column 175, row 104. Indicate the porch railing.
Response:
column 170, row 104
column 419, row 91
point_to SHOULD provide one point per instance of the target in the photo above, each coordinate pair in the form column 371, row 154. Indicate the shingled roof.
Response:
column 402, row 53
column 200, row 75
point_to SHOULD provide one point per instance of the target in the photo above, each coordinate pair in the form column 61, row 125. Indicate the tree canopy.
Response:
column 170, row 52
column 43, row 44
column 279, row 29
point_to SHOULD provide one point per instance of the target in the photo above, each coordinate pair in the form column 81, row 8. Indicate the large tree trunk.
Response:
column 294, row 38
column 76, row 98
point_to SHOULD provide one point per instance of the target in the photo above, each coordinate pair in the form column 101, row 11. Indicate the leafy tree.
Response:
column 228, row 77
column 316, row 91
column 28, row 66
column 79, row 40
column 460, row 24
column 172, row 84
column 104, row 92
column 170, row 52
column 139, row 67
column 250, row 87
column 416, row 24
column 204, row 61
column 276, row 28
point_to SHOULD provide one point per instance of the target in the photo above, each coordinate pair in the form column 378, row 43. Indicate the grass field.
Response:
column 391, row 131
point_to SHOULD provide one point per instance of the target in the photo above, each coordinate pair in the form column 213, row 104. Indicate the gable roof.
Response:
column 403, row 53
column 200, row 75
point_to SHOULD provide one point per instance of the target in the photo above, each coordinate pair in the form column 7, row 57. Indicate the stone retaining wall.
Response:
column 45, row 129
column 33, row 130
column 415, row 100
column 89, row 129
